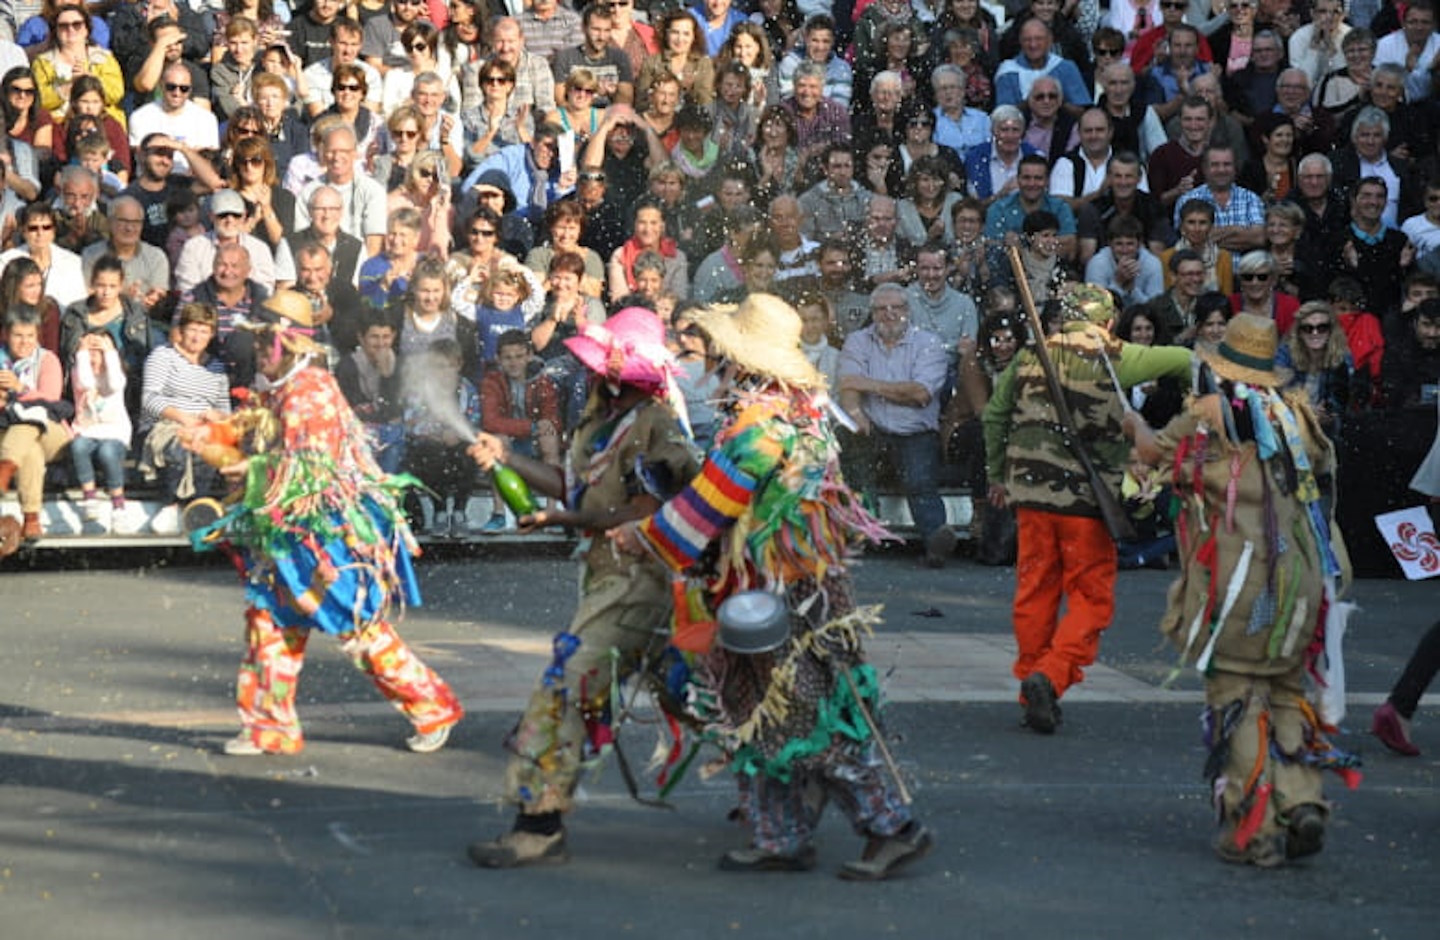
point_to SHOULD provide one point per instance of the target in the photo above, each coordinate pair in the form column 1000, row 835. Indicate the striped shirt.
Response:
column 172, row 381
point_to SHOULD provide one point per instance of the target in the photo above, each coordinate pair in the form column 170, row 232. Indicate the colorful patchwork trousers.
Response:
column 783, row 815
column 270, row 672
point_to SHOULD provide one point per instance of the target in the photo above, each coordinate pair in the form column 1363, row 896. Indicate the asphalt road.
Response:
column 120, row 819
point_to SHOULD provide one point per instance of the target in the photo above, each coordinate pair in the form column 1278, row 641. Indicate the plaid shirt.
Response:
column 1245, row 207
column 830, row 123
column 544, row 37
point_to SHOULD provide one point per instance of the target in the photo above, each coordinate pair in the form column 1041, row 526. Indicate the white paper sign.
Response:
column 1412, row 541
column 566, row 144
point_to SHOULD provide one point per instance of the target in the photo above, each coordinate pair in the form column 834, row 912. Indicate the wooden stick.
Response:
column 875, row 733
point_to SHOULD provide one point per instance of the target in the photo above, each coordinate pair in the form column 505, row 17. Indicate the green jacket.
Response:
column 1024, row 447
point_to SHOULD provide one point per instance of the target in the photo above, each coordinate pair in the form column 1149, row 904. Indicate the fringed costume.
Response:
column 1256, row 610
column 769, row 511
column 325, row 546
column 624, row 608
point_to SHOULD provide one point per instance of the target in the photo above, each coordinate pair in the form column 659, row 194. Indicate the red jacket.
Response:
column 542, row 403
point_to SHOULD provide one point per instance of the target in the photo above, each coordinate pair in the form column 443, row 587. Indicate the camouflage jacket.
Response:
column 1025, row 448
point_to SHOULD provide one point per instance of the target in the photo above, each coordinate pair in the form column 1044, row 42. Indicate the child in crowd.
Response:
column 521, row 405
column 370, row 381
column 439, row 404
column 814, row 310
column 102, row 426
column 94, row 154
column 501, row 310
column 1147, row 503
column 183, row 211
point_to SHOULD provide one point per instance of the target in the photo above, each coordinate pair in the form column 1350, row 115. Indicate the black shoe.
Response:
column 1042, row 712
column 1306, row 832
column 885, row 856
column 753, row 859
column 516, row 849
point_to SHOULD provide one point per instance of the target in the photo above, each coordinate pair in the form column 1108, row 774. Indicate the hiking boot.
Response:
column 1264, row 851
column 1042, row 711
column 756, row 859
column 515, row 849
column 885, row 855
column 1393, row 730
column 429, row 742
column 1306, row 832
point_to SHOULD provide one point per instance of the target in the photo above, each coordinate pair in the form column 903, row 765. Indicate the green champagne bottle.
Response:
column 513, row 489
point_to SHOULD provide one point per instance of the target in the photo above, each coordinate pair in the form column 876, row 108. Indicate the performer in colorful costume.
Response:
column 1256, row 607
column 770, row 512
column 1066, row 553
column 324, row 546
column 629, row 451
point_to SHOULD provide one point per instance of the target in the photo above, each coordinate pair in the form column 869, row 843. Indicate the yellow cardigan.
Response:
column 102, row 65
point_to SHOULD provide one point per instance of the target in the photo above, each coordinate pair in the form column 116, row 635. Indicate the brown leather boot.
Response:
column 7, row 473
column 30, row 530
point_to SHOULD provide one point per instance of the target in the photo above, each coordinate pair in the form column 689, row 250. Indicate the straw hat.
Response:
column 628, row 347
column 761, row 336
column 291, row 316
column 1247, row 353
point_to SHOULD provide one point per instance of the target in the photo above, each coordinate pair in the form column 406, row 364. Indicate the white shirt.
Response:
column 1423, row 234
column 1392, row 50
column 192, row 125
column 1062, row 177
column 1391, row 215
column 1313, row 61
column 64, row 279
column 363, row 212
column 197, row 261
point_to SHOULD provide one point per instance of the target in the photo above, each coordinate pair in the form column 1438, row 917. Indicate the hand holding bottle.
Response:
column 487, row 451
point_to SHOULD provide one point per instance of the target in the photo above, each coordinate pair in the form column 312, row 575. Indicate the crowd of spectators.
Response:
column 458, row 185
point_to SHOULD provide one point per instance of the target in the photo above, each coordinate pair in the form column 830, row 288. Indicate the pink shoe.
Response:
column 1390, row 728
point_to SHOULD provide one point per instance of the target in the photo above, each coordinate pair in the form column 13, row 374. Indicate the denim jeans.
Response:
column 86, row 452
column 912, row 458
column 389, row 445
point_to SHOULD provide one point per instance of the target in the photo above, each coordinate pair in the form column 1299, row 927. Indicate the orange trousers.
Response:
column 1069, row 558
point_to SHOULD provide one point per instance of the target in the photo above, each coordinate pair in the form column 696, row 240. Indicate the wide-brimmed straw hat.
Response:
column 291, row 316
column 629, row 347
column 761, row 336
column 1247, row 353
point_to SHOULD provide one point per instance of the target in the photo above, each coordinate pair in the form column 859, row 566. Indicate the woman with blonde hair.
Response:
column 1318, row 356
column 427, row 190
column 578, row 112
column 403, row 129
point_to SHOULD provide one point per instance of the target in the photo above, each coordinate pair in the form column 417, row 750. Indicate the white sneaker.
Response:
column 166, row 521
column 242, row 745
column 429, row 743
column 93, row 508
column 122, row 521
